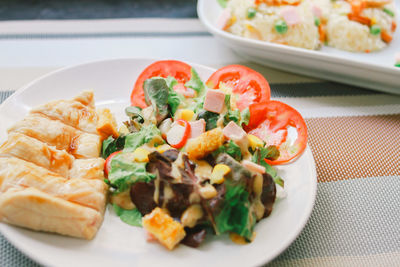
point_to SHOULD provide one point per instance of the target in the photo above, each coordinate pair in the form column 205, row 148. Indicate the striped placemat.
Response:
column 354, row 137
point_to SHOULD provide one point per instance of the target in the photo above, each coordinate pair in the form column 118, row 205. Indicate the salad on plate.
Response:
column 196, row 159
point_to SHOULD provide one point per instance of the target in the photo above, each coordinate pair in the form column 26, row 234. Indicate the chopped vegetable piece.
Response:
column 248, row 86
column 231, row 149
column 124, row 172
column 164, row 68
column 272, row 122
column 388, row 11
column 386, row 37
column 375, row 29
column 281, row 27
column 317, row 22
column 148, row 133
column 141, row 155
column 254, row 141
column 208, row 191
column 210, row 118
column 107, row 163
column 251, row 12
column 111, row 145
column 131, row 217
column 167, row 231
column 218, row 173
column 156, row 94
column 222, row 3
column 185, row 114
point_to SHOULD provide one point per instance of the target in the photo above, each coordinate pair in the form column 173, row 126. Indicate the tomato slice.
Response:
column 279, row 124
column 164, row 68
column 107, row 163
column 249, row 85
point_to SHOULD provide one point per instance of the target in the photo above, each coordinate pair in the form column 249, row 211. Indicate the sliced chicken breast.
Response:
column 70, row 112
column 85, row 98
column 87, row 169
column 18, row 173
column 60, row 135
column 34, row 209
column 35, row 151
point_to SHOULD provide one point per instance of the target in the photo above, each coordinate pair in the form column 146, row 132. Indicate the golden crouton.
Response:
column 204, row 144
column 106, row 124
column 167, row 231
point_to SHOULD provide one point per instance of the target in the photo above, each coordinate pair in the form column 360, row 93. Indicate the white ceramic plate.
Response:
column 118, row 244
column 374, row 70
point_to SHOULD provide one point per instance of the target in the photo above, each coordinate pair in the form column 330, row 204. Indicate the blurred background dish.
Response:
column 375, row 70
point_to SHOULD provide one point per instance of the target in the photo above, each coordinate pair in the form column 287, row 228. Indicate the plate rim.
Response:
column 310, row 162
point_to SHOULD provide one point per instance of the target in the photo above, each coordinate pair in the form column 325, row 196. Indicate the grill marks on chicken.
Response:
column 51, row 175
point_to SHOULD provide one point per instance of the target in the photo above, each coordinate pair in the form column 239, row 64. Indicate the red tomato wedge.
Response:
column 249, row 85
column 179, row 134
column 279, row 124
column 164, row 68
column 107, row 163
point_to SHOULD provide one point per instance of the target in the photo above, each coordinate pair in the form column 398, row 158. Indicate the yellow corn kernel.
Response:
column 163, row 148
column 164, row 228
column 141, row 155
column 218, row 173
column 336, row 5
column 123, row 129
column 373, row 21
column 185, row 114
column 208, row 191
column 254, row 141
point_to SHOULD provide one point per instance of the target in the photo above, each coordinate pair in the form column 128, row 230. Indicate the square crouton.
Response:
column 201, row 146
column 106, row 124
column 167, row 231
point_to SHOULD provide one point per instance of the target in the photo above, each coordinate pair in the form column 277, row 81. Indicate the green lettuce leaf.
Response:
column 235, row 215
column 195, row 82
column 156, row 94
column 211, row 119
column 245, row 116
column 270, row 152
column 231, row 149
column 131, row 217
column 124, row 172
column 137, row 139
column 111, row 145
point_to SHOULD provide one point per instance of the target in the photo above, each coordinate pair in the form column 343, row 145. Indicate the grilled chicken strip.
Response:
column 18, row 173
column 70, row 112
column 34, row 209
column 60, row 135
column 86, row 98
column 87, row 169
column 30, row 149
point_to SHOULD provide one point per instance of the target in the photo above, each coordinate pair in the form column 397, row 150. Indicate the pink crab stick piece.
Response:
column 214, row 101
column 290, row 15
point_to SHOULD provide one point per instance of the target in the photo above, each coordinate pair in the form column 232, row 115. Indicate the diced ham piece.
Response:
column 253, row 166
column 214, row 101
column 235, row 133
column 197, row 128
column 223, row 18
column 290, row 15
column 186, row 92
column 317, row 11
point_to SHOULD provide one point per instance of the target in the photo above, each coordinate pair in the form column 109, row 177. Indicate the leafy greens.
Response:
column 131, row 217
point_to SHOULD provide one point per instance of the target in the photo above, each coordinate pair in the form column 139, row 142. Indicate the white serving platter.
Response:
column 374, row 70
